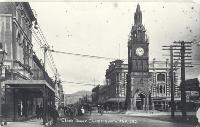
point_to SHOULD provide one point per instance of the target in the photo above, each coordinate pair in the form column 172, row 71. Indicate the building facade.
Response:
column 59, row 94
column 25, row 83
column 113, row 94
column 141, row 84
column 160, row 87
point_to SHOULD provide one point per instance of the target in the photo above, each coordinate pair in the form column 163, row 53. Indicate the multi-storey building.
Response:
column 113, row 93
column 26, row 83
column 147, row 83
column 95, row 94
column 160, row 84
column 59, row 95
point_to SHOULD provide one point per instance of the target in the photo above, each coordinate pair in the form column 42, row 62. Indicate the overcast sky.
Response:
column 98, row 28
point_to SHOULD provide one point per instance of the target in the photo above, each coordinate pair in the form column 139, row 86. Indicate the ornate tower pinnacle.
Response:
column 138, row 16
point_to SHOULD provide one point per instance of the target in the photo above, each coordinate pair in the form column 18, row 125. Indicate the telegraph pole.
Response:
column 172, row 81
column 46, row 48
column 171, row 72
column 183, row 46
column 183, row 93
column 128, row 102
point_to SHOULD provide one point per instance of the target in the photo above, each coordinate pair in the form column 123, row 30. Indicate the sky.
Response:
column 103, row 28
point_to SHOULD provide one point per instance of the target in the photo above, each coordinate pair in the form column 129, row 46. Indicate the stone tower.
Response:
column 138, row 65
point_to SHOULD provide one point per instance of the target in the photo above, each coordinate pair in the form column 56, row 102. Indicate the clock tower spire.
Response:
column 138, row 46
column 138, row 16
column 138, row 64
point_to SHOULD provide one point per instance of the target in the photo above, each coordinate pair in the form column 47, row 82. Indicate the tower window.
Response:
column 160, row 88
column 161, row 77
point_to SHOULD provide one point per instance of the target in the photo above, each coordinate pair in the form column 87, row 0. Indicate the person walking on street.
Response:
column 37, row 111
column 40, row 112
column 54, row 115
column 82, row 111
column 90, row 109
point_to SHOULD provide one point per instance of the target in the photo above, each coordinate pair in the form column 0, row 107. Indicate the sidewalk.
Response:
column 165, row 116
column 156, row 113
column 29, row 123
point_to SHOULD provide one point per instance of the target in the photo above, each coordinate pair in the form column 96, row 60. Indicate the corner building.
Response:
column 25, row 83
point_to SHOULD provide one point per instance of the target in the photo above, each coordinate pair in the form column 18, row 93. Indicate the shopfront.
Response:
column 22, row 97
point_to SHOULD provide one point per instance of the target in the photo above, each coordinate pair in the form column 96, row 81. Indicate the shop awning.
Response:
column 28, row 83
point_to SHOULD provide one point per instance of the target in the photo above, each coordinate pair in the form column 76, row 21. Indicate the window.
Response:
column 18, row 16
column 1, row 45
column 8, row 27
column 18, row 37
column 161, row 89
column 161, row 77
column 120, row 76
column 130, row 52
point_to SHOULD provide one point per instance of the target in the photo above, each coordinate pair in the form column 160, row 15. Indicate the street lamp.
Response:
column 2, row 56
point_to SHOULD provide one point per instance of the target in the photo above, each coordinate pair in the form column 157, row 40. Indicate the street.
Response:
column 99, row 64
column 116, row 120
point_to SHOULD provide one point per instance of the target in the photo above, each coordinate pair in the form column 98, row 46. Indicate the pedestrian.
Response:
column 101, row 110
column 82, row 110
column 54, row 114
column 106, row 108
column 41, row 112
column 75, row 111
column 90, row 109
column 98, row 106
column 37, row 111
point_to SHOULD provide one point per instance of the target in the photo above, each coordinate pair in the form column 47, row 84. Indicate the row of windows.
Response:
column 121, row 90
column 121, row 76
column 23, row 43
column 5, row 23
column 24, row 22
column 25, row 25
column 162, row 90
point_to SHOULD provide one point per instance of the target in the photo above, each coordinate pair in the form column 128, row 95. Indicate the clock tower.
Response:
column 138, row 46
column 138, row 64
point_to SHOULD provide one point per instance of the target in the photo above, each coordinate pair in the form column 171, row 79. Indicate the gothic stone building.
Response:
column 113, row 94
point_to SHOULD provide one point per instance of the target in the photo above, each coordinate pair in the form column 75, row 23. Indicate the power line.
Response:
column 80, row 83
column 46, row 43
column 84, row 55
column 37, row 39
column 41, row 42
column 51, row 67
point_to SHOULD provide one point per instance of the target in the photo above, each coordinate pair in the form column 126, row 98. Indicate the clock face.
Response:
column 140, row 51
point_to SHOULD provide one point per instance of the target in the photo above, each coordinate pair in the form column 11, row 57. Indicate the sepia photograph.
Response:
column 100, row 63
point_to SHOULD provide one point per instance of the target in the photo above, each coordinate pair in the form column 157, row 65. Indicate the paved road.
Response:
column 116, row 120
